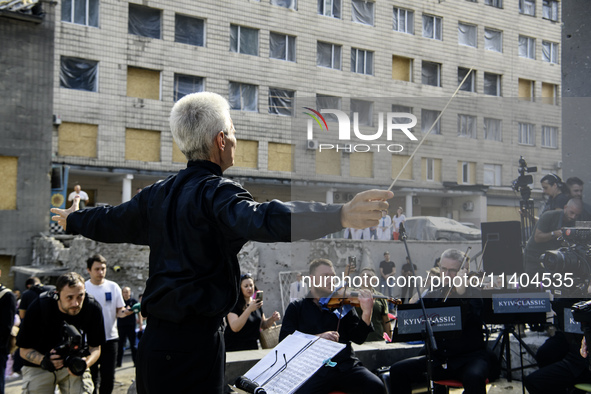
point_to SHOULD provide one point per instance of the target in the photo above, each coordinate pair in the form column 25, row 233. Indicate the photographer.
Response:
column 547, row 232
column 50, row 344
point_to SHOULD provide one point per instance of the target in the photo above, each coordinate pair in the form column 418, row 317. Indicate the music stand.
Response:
column 520, row 307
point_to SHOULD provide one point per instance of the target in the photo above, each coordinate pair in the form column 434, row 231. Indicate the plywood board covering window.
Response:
column 361, row 164
column 401, row 68
column 397, row 164
column 77, row 139
column 9, row 167
column 247, row 154
column 143, row 83
column 328, row 162
column 177, row 155
column 142, row 145
column 280, row 157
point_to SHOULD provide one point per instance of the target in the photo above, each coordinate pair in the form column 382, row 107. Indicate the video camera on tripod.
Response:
column 521, row 184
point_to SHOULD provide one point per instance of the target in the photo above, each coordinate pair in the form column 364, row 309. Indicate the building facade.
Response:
column 120, row 66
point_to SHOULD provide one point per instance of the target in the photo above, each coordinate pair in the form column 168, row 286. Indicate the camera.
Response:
column 72, row 348
column 574, row 259
column 521, row 184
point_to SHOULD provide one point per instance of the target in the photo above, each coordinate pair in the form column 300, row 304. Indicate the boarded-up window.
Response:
column 142, row 145
column 247, row 154
column 361, row 164
column 526, row 89
column 143, row 83
column 5, row 266
column 401, row 68
column 280, row 157
column 549, row 93
column 77, row 139
column 397, row 163
column 9, row 167
column 328, row 162
column 177, row 155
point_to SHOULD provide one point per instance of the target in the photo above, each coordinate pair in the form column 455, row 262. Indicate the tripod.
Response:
column 505, row 341
column 526, row 207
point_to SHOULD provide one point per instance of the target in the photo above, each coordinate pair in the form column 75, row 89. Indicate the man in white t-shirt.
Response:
column 108, row 294
column 78, row 192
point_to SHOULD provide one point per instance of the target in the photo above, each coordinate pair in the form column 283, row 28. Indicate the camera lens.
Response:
column 76, row 365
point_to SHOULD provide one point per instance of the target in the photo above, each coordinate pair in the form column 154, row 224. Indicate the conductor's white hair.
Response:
column 195, row 120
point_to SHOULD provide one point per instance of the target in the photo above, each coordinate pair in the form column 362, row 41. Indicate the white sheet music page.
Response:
column 301, row 367
column 274, row 361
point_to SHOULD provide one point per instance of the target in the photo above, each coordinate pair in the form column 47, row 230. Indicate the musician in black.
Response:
column 464, row 358
column 307, row 315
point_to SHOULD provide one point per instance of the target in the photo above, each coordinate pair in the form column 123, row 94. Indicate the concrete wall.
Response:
column 576, row 91
column 26, row 83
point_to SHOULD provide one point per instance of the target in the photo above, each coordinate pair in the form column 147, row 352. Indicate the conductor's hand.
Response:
column 583, row 350
column 62, row 214
column 365, row 209
column 330, row 335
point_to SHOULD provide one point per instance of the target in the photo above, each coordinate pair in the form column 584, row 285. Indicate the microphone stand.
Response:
column 430, row 342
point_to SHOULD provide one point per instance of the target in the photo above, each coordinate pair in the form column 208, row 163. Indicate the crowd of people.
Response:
column 387, row 229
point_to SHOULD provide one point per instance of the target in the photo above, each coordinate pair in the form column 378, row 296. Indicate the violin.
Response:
column 342, row 297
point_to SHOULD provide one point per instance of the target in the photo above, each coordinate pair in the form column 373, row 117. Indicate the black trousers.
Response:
column 126, row 333
column 472, row 370
column 354, row 380
column 181, row 358
column 103, row 371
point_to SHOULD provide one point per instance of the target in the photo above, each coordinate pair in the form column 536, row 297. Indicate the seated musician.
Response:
column 464, row 358
column 307, row 315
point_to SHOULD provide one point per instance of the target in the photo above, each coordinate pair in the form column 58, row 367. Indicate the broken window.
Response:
column 186, row 84
column 282, row 46
column 468, row 85
column 362, row 12
column 244, row 40
column 78, row 74
column 243, row 97
column 550, row 10
column 361, row 61
column 467, row 34
column 328, row 55
column 492, row 84
column 431, row 73
column 189, row 30
column 281, row 101
column 144, row 21
column 493, row 40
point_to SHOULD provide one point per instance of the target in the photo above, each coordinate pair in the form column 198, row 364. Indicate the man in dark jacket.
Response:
column 7, row 311
column 195, row 223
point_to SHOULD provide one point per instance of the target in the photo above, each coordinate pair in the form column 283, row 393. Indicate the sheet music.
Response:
column 290, row 346
column 304, row 353
column 303, row 367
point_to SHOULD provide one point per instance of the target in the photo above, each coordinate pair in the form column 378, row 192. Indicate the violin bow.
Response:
column 430, row 129
column 349, row 264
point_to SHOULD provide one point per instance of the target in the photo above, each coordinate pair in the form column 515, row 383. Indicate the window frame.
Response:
column 549, row 133
column 487, row 131
column 292, row 98
column 494, row 3
column 528, row 130
column 407, row 12
column 430, row 169
column 471, row 80
column 242, row 106
column 475, row 31
column 322, row 7
column 333, row 46
column 489, row 29
column 373, row 12
column 530, row 49
column 354, row 63
column 195, row 19
column 467, row 120
column 498, row 84
column 530, row 3
column 175, row 91
column 552, row 5
column 437, row 128
column 95, row 83
column 438, row 70
column 437, row 27
column 496, row 170
column 86, row 16
column 287, row 46
column 553, row 50
column 238, row 34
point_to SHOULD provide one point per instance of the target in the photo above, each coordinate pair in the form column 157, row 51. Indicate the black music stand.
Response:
column 509, row 320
